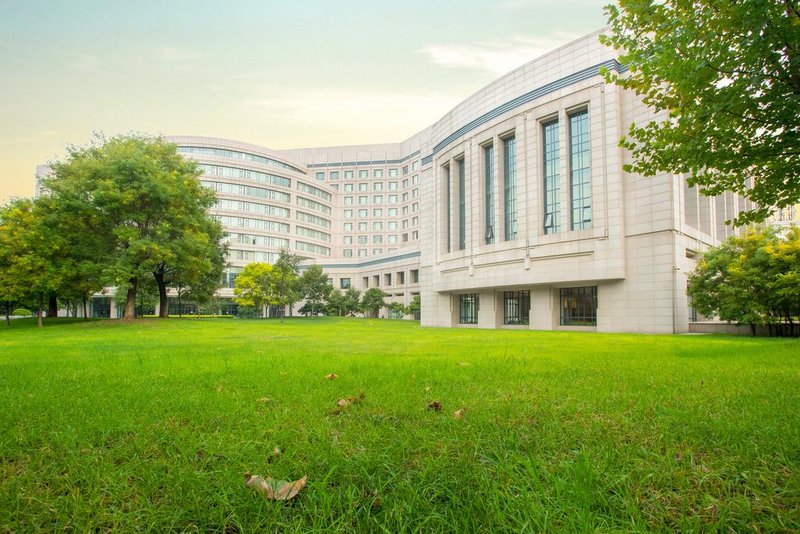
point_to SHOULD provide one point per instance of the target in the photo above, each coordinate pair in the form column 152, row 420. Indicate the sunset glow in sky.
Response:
column 276, row 74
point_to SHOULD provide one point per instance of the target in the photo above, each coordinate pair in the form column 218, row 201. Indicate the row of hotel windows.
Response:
column 377, row 239
column 578, row 307
column 348, row 214
column 378, row 186
column 262, row 193
column 364, row 173
column 378, row 199
column 392, row 239
column 400, row 280
column 235, row 154
column 272, row 257
column 580, row 184
column 378, row 225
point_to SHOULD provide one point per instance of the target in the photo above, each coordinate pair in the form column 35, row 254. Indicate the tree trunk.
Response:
column 39, row 320
column 85, row 308
column 8, row 312
column 130, row 303
column 180, row 305
column 163, row 301
column 52, row 306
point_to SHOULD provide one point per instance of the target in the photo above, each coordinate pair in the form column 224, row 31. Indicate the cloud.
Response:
column 494, row 57
column 350, row 110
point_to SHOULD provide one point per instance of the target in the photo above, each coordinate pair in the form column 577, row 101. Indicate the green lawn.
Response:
column 150, row 425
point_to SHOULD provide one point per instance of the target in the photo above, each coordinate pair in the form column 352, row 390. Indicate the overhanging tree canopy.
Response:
column 727, row 74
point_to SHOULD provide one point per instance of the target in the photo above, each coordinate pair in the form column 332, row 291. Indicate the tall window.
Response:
column 488, row 158
column 468, row 308
column 462, row 205
column 510, row 187
column 516, row 307
column 552, row 202
column 447, row 225
column 579, row 306
column 579, row 178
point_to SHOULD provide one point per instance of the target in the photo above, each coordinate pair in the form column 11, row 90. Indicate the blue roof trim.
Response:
column 370, row 262
column 551, row 87
column 364, row 163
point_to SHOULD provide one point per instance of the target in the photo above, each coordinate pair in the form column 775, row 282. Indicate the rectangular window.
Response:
column 551, row 162
column 362, row 253
column 363, row 213
column 387, row 279
column 348, row 227
column 334, row 175
column 377, row 225
column 377, row 186
column 510, row 187
column 447, row 207
column 392, row 186
column 468, row 308
column 516, row 307
column 579, row 306
column 363, row 186
column 344, row 283
column 580, row 175
column 392, row 173
column 377, row 212
column 362, row 227
column 348, row 201
column 462, row 205
column 414, row 276
column 348, row 188
column 320, row 176
column 362, row 200
column 363, row 174
column 488, row 158
column 378, row 173
column 377, row 199
column 348, row 175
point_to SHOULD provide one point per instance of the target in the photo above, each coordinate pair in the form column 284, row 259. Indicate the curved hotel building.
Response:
column 511, row 211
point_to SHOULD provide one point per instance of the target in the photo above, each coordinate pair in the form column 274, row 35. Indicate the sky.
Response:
column 277, row 74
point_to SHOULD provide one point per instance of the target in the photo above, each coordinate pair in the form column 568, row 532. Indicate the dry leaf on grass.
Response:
column 343, row 403
column 332, row 376
column 458, row 414
column 275, row 490
column 263, row 400
column 436, row 406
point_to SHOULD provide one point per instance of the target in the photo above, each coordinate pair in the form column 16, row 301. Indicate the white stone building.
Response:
column 511, row 211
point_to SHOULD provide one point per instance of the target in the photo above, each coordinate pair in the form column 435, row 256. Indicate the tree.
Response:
column 315, row 288
column 253, row 286
column 398, row 308
column 335, row 303
column 727, row 77
column 372, row 301
column 415, row 306
column 753, row 280
column 145, row 200
column 28, row 255
column 285, row 291
column 352, row 301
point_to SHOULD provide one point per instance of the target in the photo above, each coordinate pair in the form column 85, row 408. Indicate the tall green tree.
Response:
column 29, row 255
column 285, row 280
column 415, row 306
column 352, row 301
column 254, row 286
column 373, row 301
column 751, row 280
column 314, row 288
column 726, row 75
column 335, row 303
column 144, row 198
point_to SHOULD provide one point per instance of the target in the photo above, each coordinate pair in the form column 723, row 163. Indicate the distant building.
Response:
column 511, row 211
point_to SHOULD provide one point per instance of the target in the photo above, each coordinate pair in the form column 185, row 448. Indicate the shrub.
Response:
column 22, row 312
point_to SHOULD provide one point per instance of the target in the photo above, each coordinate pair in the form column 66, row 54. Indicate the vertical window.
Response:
column 579, row 164
column 468, row 308
column 516, row 307
column 462, row 205
column 579, row 306
column 344, row 283
column 552, row 202
column 510, row 187
column 488, row 158
column 447, row 206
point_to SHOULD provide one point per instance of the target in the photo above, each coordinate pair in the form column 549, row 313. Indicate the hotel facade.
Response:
column 511, row 211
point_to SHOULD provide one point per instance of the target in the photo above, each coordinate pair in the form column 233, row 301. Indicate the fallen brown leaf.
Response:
column 275, row 490
column 332, row 376
column 343, row 403
column 264, row 400
column 458, row 414
column 435, row 406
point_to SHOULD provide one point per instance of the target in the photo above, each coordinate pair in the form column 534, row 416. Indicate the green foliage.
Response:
column 415, row 305
column 726, row 75
column 286, row 290
column 398, row 307
column 563, row 431
column 146, row 207
column 254, row 287
column 753, row 279
column 373, row 301
column 22, row 312
column 315, row 288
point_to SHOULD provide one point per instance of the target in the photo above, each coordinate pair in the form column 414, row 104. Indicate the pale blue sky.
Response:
column 277, row 74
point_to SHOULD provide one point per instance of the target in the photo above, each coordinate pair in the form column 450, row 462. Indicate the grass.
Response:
column 150, row 425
